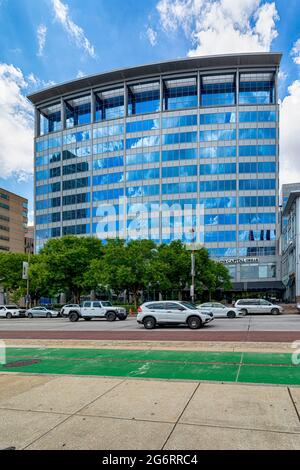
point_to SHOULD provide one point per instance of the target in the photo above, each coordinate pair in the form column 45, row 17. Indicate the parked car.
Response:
column 258, row 306
column 298, row 307
column 41, row 312
column 96, row 309
column 65, row 309
column 11, row 311
column 221, row 311
column 151, row 314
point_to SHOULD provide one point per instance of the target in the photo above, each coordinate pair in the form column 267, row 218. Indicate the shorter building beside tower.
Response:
column 13, row 222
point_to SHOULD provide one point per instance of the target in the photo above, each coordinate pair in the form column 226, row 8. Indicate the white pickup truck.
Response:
column 96, row 309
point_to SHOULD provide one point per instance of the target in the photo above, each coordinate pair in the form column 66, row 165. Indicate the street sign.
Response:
column 25, row 270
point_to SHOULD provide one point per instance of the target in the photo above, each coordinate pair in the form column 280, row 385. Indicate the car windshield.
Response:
column 188, row 305
column 106, row 304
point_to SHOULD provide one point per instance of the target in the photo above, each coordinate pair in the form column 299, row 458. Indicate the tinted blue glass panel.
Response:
column 107, row 147
column 179, row 138
column 76, row 183
column 141, row 158
column 220, row 219
column 107, row 131
column 183, row 154
column 75, row 168
column 139, row 142
column 77, row 137
column 214, row 93
column 218, row 169
column 78, row 115
column 113, row 193
column 76, row 230
column 257, row 235
column 179, row 171
column 260, row 167
column 105, row 163
column 180, row 121
column 222, row 252
column 142, row 126
column 42, row 175
column 218, row 152
column 109, row 108
column 76, row 199
column 48, row 218
column 219, row 185
column 260, row 218
column 258, row 150
column 139, row 191
column 47, row 188
column 76, row 214
column 217, row 135
column 146, row 174
column 257, row 184
column 146, row 102
column 257, row 251
column 174, row 188
column 261, row 133
column 218, row 237
column 48, row 144
column 258, row 116
column 257, row 92
column 218, row 118
column 109, row 178
column 218, row 203
column 180, row 97
column 77, row 152
column 257, row 201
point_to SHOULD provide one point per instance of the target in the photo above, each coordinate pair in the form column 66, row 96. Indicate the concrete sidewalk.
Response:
column 66, row 412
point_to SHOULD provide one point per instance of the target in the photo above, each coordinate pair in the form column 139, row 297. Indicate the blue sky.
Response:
column 46, row 41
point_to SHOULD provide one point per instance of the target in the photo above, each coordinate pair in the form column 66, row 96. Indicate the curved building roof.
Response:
column 151, row 70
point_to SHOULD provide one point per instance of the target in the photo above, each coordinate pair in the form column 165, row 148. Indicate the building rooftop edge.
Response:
column 292, row 197
column 261, row 59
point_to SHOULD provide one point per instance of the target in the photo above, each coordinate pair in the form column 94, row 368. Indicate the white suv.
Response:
column 151, row 314
column 257, row 306
column 11, row 311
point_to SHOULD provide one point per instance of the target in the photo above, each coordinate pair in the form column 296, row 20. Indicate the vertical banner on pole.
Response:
column 25, row 270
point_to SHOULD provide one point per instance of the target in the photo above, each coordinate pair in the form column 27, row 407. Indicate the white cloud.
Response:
column 16, row 124
column 80, row 74
column 74, row 31
column 41, row 35
column 221, row 26
column 296, row 52
column 152, row 36
column 290, row 136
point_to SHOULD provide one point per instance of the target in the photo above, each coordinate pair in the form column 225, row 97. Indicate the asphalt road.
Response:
column 283, row 323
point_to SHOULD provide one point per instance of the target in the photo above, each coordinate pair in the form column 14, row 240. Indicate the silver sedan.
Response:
column 221, row 311
column 41, row 312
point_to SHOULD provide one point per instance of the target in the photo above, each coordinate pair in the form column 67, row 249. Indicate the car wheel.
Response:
column 194, row 323
column 149, row 323
column 87, row 319
column 48, row 315
column 9, row 316
column 244, row 311
column 275, row 311
column 30, row 315
column 111, row 316
column 231, row 315
column 73, row 317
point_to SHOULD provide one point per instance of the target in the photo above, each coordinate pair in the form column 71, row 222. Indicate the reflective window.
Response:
column 257, row 88
column 174, row 188
column 257, row 201
column 219, row 185
column 257, row 251
column 218, row 152
column 142, row 158
column 48, row 203
column 77, row 152
column 257, row 184
column 76, row 184
column 143, row 98
column 257, row 167
column 48, row 218
column 108, row 178
column 147, row 141
column 218, row 237
column 218, row 90
column 76, row 230
column 220, row 219
column 107, row 147
column 261, row 218
column 78, row 111
column 217, row 135
column 109, row 104
column 76, row 199
column 179, row 138
column 50, row 119
column 258, row 271
column 143, row 126
column 75, row 168
column 46, row 159
column 48, row 144
column 105, row 195
column 138, row 191
column 257, row 150
column 108, row 131
column 47, row 188
column 105, row 163
column 145, row 174
column 218, row 118
column 182, row 154
column 257, row 235
column 76, row 137
column 218, row 169
column 258, row 116
column 179, row 171
column 180, row 93
column 76, row 214
column 180, row 121
column 260, row 133
column 218, row 202
column 222, row 252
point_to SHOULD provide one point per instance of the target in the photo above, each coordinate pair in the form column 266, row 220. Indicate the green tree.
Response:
column 62, row 263
column 11, row 269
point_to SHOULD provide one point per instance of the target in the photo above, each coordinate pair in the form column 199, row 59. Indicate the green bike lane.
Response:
column 241, row 367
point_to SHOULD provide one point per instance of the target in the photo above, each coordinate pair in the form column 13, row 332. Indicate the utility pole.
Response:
column 193, row 276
